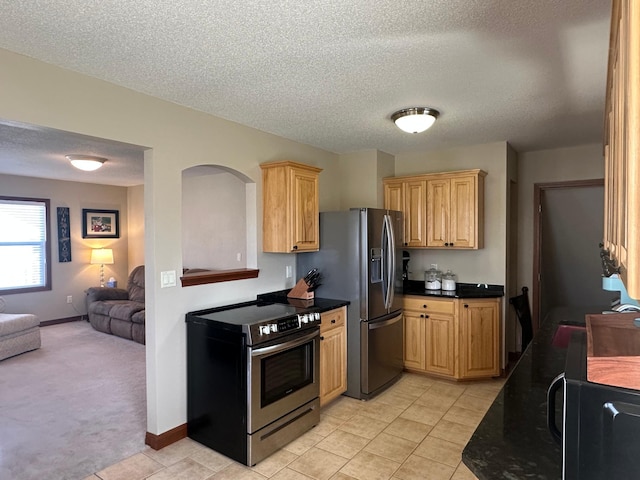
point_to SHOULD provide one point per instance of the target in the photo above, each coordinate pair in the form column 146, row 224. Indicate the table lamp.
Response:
column 102, row 256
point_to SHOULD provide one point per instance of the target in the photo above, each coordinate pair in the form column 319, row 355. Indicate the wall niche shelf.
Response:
column 200, row 276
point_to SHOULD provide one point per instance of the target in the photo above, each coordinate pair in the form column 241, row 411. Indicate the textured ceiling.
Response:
column 330, row 73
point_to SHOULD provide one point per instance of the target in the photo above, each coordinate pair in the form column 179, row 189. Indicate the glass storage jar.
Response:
column 448, row 281
column 433, row 278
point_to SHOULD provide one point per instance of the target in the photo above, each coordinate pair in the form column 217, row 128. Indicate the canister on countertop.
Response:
column 433, row 278
column 448, row 281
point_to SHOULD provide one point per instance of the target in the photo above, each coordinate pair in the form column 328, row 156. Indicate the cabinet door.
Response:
column 463, row 213
column 304, row 210
column 414, row 340
column 479, row 338
column 333, row 365
column 333, row 355
column 394, row 195
column 414, row 221
column 440, row 344
column 438, row 207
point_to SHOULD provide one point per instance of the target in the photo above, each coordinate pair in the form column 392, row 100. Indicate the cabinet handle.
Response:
column 321, row 338
column 295, row 247
column 446, row 244
column 333, row 321
column 424, row 306
column 466, row 306
column 405, row 244
column 424, row 316
column 451, row 244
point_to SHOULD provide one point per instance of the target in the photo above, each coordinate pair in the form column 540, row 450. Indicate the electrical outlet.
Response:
column 288, row 271
column 69, row 299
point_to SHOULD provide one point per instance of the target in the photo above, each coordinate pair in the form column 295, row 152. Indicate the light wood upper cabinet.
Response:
column 622, row 144
column 333, row 354
column 441, row 210
column 290, row 207
column 452, row 338
column 408, row 197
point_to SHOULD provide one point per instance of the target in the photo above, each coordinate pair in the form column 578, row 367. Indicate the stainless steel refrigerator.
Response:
column 360, row 259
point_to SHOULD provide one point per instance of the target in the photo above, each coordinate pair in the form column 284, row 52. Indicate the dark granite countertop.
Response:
column 512, row 440
column 323, row 304
column 463, row 290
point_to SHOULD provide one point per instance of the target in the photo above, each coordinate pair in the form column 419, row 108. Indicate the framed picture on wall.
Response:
column 100, row 223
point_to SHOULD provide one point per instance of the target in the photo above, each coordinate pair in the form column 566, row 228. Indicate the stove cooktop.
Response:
column 258, row 312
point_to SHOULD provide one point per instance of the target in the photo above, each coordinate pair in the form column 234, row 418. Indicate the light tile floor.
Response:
column 416, row 430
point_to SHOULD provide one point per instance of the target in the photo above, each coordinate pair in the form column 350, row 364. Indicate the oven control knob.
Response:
column 304, row 318
column 273, row 327
column 264, row 330
column 317, row 316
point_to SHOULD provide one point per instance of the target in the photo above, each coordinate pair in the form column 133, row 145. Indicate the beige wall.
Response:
column 71, row 278
column 361, row 175
column 214, row 230
column 135, row 200
column 178, row 138
column 545, row 166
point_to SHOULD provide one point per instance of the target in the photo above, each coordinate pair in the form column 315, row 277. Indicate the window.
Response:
column 24, row 245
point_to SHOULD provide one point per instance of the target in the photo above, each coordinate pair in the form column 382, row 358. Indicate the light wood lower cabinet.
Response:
column 333, row 354
column 453, row 338
column 479, row 340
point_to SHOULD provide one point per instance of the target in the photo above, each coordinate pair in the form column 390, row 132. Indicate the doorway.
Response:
column 568, row 229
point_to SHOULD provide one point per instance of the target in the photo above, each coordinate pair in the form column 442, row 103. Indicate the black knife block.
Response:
column 301, row 290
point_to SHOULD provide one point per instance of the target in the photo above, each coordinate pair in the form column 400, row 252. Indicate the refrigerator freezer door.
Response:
column 381, row 353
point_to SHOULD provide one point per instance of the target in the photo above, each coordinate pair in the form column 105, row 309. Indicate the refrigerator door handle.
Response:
column 390, row 258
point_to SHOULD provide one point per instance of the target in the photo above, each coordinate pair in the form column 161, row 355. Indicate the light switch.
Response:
column 168, row 279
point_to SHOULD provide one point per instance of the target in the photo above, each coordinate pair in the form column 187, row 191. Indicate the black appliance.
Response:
column 360, row 262
column 252, row 377
column 600, row 434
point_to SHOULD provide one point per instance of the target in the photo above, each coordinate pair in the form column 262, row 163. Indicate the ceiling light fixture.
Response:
column 415, row 119
column 88, row 163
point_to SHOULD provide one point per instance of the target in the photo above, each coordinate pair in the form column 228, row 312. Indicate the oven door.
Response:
column 282, row 376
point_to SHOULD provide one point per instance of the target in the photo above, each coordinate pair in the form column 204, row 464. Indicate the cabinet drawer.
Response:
column 428, row 304
column 332, row 319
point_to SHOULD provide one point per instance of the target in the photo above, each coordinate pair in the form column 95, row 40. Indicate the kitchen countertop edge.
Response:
column 463, row 290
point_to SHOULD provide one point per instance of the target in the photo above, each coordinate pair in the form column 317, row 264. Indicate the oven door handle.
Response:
column 284, row 346
column 557, row 383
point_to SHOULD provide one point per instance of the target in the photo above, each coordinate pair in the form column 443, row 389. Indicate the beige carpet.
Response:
column 73, row 407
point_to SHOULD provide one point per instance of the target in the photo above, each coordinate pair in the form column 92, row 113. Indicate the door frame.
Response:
column 538, row 191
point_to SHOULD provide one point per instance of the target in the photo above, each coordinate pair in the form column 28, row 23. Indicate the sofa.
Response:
column 19, row 333
column 119, row 311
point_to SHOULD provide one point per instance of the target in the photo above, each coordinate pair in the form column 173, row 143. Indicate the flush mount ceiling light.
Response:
column 415, row 119
column 88, row 163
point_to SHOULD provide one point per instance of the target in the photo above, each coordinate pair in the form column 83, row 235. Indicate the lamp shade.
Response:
column 88, row 163
column 415, row 119
column 102, row 256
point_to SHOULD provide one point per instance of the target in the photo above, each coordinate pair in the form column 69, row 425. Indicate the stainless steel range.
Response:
column 252, row 377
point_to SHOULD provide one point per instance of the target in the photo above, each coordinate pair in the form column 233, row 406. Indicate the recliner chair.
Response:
column 119, row 311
